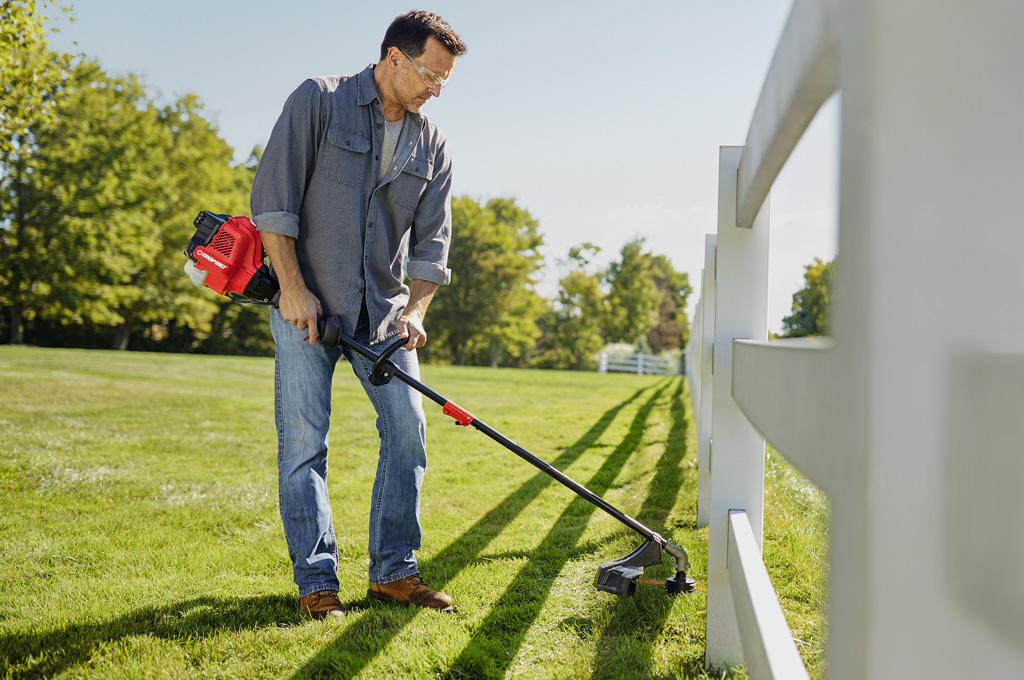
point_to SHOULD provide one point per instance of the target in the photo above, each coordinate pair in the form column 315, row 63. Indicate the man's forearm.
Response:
column 420, row 294
column 410, row 324
column 281, row 251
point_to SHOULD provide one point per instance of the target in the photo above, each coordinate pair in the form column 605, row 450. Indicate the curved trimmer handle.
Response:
column 383, row 370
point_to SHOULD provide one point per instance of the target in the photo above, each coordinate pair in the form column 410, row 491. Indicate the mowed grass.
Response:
column 141, row 535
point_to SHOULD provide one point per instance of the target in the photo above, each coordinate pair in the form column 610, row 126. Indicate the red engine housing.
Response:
column 233, row 257
column 230, row 250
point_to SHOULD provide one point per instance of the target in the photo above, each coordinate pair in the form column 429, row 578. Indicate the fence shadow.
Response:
column 50, row 653
column 493, row 646
column 643, row 620
column 366, row 638
column 53, row 652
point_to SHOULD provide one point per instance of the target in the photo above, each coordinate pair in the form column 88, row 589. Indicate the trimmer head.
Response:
column 680, row 583
column 619, row 576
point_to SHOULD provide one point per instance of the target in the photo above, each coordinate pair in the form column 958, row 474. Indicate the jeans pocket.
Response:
column 344, row 157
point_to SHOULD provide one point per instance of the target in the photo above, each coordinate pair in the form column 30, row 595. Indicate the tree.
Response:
column 633, row 297
column 673, row 328
column 572, row 326
column 812, row 304
column 27, row 98
column 490, row 307
column 26, row 66
column 199, row 176
column 78, row 210
column 97, row 205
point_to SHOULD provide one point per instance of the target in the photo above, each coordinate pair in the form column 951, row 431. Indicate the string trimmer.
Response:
column 226, row 255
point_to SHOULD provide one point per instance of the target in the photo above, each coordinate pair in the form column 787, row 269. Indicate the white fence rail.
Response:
column 638, row 363
column 908, row 418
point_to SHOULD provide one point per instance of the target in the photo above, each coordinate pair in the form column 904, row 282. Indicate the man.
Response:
column 353, row 192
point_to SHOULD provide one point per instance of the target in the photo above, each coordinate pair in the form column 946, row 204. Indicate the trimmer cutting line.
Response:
column 226, row 255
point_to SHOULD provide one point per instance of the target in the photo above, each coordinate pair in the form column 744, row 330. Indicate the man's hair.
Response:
column 409, row 33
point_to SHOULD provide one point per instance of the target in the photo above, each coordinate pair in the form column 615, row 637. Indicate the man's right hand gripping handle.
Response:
column 297, row 304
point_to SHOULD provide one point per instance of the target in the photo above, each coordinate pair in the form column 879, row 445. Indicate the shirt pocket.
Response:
column 344, row 157
column 407, row 188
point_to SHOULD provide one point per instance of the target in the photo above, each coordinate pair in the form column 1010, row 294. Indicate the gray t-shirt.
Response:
column 392, row 130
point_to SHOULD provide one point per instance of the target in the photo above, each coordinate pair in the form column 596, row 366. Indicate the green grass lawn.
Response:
column 141, row 536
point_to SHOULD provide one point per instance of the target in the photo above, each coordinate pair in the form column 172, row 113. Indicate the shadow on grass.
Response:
column 642, row 620
column 493, row 647
column 361, row 642
column 50, row 653
column 490, row 651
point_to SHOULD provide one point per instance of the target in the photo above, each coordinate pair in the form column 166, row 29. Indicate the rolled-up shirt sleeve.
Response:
column 284, row 169
column 432, row 225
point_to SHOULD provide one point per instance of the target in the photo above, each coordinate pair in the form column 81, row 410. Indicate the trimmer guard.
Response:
column 618, row 576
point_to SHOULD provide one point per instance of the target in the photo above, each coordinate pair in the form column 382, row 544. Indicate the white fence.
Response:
column 638, row 363
column 910, row 416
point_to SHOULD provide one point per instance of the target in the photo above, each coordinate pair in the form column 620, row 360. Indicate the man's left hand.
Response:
column 411, row 326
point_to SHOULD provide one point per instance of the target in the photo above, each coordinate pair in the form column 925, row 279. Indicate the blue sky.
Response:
column 602, row 119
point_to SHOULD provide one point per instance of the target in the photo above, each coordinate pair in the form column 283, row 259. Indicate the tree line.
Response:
column 491, row 314
column 99, row 185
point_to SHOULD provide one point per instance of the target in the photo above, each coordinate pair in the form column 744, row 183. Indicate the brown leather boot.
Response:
column 322, row 604
column 411, row 590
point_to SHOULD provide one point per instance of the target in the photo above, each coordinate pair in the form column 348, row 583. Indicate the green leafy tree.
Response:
column 673, row 328
column 812, row 304
column 490, row 308
column 29, row 72
column 572, row 326
column 199, row 176
column 633, row 297
column 98, row 204
column 79, row 209
column 27, row 66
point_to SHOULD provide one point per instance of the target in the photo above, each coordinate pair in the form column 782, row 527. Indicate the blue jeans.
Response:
column 303, row 375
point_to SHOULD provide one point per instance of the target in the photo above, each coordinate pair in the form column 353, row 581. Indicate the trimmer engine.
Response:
column 226, row 255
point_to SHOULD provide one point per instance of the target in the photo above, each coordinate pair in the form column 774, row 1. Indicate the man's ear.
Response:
column 394, row 57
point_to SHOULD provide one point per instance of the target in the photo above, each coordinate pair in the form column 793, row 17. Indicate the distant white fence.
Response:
column 909, row 417
column 638, row 363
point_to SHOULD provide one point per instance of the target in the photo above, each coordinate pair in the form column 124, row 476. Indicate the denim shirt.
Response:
column 317, row 182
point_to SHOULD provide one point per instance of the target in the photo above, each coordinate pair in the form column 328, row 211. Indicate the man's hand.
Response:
column 297, row 304
column 300, row 307
column 410, row 324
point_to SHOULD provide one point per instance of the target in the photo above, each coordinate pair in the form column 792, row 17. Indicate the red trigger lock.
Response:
column 461, row 415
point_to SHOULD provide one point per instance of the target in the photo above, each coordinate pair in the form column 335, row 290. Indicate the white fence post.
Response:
column 706, row 341
column 737, row 460
column 930, row 216
column 909, row 421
